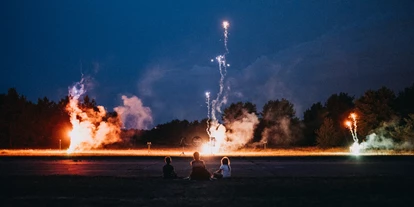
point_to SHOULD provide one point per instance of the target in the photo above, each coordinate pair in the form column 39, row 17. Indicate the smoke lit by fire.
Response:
column 91, row 127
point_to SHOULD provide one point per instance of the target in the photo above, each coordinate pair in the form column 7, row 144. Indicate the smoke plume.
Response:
column 241, row 131
column 133, row 114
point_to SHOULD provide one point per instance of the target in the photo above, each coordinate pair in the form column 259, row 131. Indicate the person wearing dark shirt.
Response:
column 168, row 169
column 198, row 169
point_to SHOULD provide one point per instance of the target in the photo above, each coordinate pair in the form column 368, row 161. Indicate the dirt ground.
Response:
column 264, row 181
column 272, row 191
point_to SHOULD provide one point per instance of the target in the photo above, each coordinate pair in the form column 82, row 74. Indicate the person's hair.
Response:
column 167, row 159
column 196, row 155
column 225, row 161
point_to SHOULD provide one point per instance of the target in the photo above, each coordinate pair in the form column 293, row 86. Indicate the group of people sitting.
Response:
column 198, row 169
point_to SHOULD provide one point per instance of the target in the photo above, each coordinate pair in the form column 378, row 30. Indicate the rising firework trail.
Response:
column 352, row 125
column 221, row 60
column 215, row 130
column 208, row 112
column 225, row 27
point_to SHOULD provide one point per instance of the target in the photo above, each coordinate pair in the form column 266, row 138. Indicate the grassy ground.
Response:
column 154, row 191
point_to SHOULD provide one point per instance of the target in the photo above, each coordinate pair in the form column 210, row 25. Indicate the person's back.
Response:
column 168, row 169
column 198, row 163
column 198, row 169
column 225, row 170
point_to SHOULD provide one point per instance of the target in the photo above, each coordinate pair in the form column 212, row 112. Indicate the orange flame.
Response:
column 89, row 130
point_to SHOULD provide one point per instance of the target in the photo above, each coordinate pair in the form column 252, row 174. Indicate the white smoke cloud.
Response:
column 133, row 114
column 242, row 131
column 89, row 130
column 381, row 139
column 377, row 142
column 283, row 133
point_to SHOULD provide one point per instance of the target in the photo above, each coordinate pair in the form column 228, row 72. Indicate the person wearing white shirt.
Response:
column 225, row 170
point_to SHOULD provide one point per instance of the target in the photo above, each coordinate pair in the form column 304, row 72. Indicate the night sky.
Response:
column 160, row 51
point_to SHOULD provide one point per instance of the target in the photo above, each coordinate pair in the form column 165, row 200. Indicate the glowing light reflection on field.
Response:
column 188, row 153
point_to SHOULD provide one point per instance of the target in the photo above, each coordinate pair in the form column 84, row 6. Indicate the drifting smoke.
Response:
column 134, row 115
column 241, row 131
column 282, row 133
column 92, row 128
column 381, row 138
column 375, row 141
column 238, row 133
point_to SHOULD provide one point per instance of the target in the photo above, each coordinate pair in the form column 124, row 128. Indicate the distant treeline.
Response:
column 45, row 124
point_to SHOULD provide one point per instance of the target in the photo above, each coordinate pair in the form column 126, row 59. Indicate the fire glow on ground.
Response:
column 188, row 153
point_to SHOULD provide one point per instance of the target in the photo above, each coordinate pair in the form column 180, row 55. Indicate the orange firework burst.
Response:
column 352, row 125
column 89, row 130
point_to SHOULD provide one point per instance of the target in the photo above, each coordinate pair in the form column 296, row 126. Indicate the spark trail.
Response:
column 208, row 112
column 215, row 130
column 355, row 147
column 225, row 27
column 221, row 60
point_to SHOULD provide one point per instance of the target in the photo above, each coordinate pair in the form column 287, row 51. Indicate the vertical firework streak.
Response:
column 215, row 130
column 353, row 127
column 353, row 116
column 355, row 147
column 208, row 113
column 225, row 27
column 221, row 59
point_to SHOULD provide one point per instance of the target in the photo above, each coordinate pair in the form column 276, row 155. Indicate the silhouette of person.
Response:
column 225, row 170
column 168, row 170
column 198, row 169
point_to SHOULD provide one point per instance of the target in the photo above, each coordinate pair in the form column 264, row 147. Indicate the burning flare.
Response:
column 91, row 128
column 355, row 147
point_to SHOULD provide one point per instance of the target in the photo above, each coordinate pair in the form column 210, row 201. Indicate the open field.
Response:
column 274, row 191
column 309, row 151
column 132, row 180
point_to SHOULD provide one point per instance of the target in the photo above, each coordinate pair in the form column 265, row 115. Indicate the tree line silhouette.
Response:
column 45, row 124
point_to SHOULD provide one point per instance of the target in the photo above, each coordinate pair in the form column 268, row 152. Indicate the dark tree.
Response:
column 236, row 111
column 338, row 107
column 313, row 119
column 374, row 108
column 404, row 103
column 281, row 126
column 327, row 134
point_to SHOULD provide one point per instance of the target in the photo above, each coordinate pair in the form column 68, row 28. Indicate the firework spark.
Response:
column 89, row 130
column 225, row 27
column 352, row 126
column 208, row 113
column 215, row 130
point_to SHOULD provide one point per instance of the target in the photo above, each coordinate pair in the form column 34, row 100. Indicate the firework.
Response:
column 89, row 130
column 215, row 130
column 352, row 126
column 225, row 27
column 208, row 113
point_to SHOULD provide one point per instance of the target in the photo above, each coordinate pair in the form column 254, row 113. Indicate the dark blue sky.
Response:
column 160, row 51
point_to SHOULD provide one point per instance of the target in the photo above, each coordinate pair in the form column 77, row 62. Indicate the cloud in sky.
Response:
column 350, row 59
column 160, row 51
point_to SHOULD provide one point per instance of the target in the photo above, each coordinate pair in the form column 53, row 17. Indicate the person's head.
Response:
column 167, row 159
column 225, row 161
column 196, row 156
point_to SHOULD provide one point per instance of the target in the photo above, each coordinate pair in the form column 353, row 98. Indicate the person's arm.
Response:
column 220, row 170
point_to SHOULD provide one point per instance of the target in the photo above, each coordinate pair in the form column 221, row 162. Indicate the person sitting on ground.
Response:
column 168, row 169
column 225, row 170
column 198, row 169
